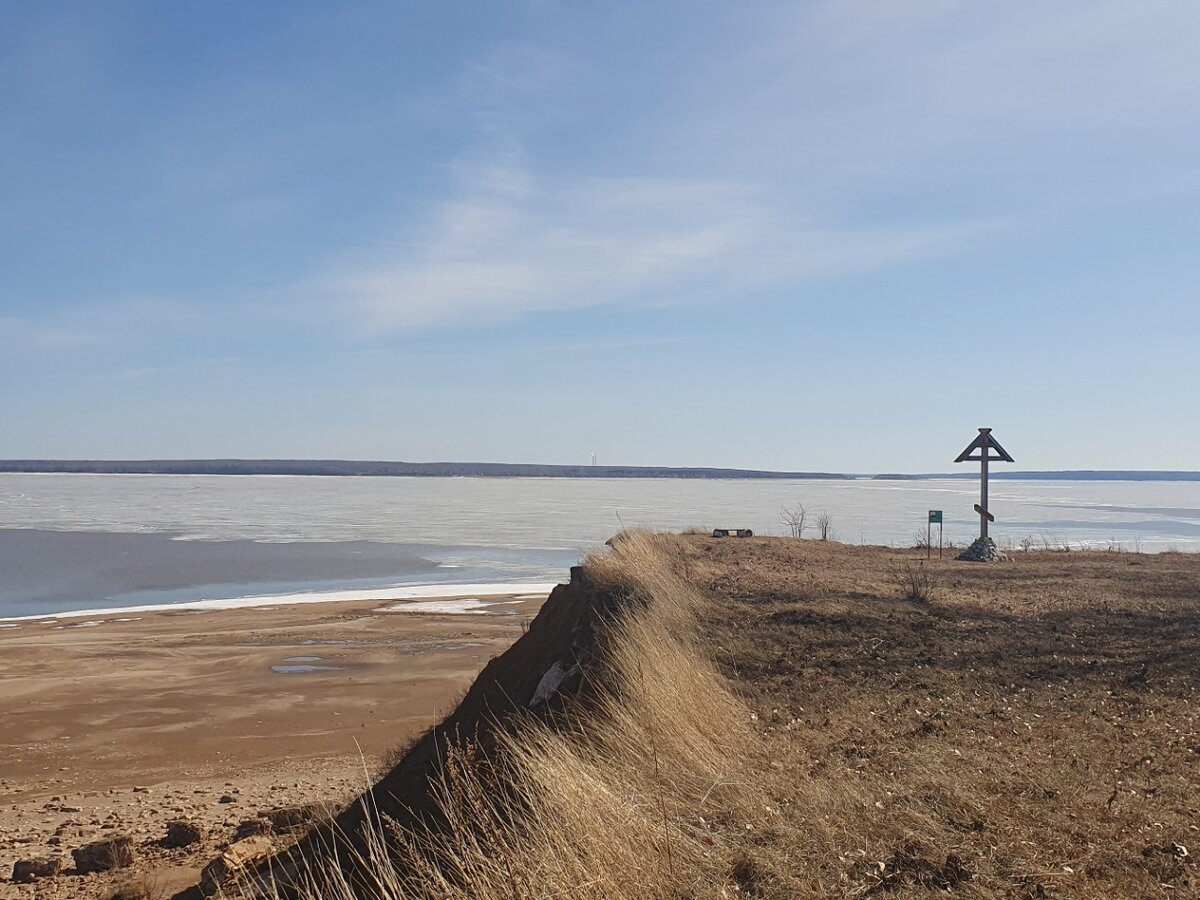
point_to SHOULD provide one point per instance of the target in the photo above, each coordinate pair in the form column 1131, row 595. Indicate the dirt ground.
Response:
column 120, row 727
column 1028, row 729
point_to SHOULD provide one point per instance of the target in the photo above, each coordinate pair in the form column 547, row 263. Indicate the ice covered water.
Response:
column 104, row 541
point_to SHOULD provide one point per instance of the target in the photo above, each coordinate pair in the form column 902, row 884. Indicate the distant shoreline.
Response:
column 382, row 468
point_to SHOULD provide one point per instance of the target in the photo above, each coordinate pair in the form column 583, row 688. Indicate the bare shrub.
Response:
column 825, row 525
column 1053, row 543
column 915, row 582
column 795, row 517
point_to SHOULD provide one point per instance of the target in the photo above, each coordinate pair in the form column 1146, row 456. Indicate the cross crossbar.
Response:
column 984, row 444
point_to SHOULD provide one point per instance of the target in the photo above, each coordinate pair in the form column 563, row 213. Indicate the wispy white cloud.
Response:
column 94, row 325
column 622, row 172
column 29, row 334
column 517, row 233
column 514, row 247
column 884, row 87
column 509, row 245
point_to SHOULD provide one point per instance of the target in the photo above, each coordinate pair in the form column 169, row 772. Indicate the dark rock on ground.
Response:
column 291, row 816
column 251, row 828
column 27, row 870
column 181, row 834
column 104, row 856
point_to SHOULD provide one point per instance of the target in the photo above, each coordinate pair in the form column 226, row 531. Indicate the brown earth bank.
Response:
column 118, row 728
column 881, row 724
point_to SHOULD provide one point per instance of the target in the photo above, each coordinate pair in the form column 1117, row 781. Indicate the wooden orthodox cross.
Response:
column 979, row 450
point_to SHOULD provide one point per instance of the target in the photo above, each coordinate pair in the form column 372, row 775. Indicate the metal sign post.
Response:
column 979, row 450
column 935, row 515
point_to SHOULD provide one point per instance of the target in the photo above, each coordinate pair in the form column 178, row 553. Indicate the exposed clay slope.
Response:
column 545, row 663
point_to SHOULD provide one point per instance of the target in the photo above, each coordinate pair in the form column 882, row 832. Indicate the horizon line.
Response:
column 349, row 467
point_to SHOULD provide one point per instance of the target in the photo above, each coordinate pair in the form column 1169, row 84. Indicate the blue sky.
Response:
column 814, row 235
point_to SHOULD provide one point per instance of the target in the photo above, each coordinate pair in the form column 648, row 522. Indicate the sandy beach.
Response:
column 118, row 724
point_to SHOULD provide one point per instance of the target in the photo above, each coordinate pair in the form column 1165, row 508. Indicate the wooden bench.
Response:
column 732, row 532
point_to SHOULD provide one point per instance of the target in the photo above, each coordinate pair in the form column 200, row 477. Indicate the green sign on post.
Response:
column 935, row 517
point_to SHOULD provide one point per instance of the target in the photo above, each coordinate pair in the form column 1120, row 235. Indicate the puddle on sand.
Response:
column 299, row 665
column 428, row 648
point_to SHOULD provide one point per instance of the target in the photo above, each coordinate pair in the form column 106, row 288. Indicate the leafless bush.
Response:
column 825, row 525
column 1054, row 543
column 795, row 518
column 916, row 582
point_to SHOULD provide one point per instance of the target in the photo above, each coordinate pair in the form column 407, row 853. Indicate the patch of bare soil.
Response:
column 1027, row 730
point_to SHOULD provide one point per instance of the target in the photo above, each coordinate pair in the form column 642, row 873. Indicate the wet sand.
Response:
column 118, row 727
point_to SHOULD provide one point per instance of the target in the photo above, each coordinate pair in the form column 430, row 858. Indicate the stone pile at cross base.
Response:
column 982, row 550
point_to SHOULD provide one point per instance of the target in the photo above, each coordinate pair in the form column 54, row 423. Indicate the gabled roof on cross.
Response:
column 978, row 449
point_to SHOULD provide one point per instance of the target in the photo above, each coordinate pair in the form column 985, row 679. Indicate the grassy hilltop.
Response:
column 783, row 718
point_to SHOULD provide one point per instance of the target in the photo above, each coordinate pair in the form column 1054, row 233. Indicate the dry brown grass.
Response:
column 771, row 720
column 622, row 803
column 1031, row 731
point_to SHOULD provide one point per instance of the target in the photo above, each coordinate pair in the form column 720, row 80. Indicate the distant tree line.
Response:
column 379, row 468
column 508, row 470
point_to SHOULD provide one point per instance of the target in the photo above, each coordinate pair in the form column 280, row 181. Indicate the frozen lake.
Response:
column 90, row 541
